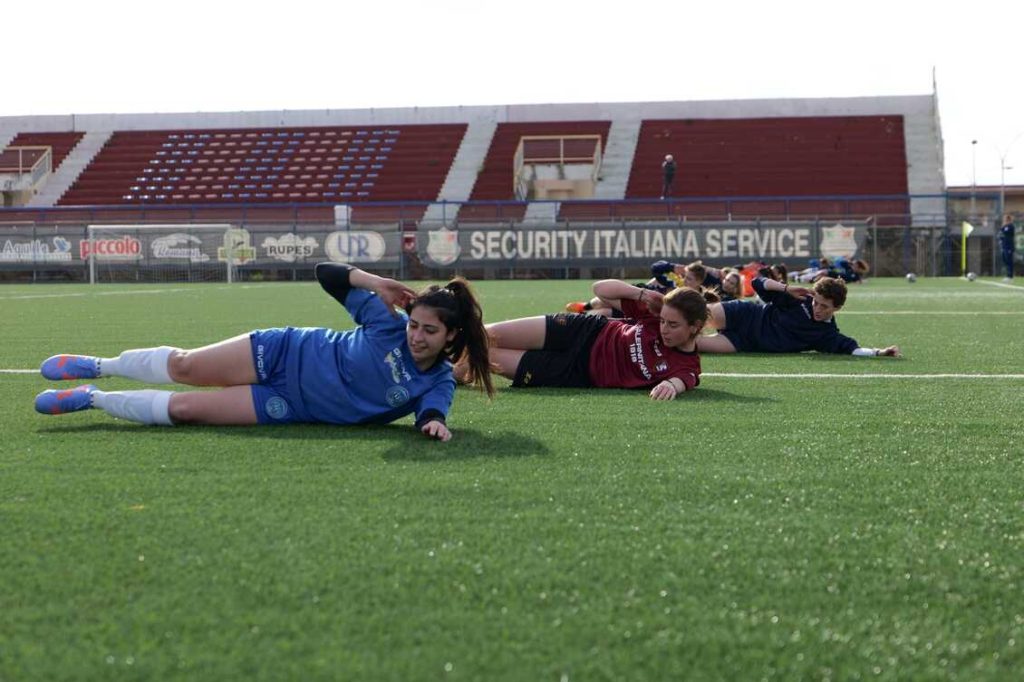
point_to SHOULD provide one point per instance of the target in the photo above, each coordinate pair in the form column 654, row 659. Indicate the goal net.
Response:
column 166, row 253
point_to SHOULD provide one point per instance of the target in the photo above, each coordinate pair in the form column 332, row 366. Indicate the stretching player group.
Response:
column 410, row 348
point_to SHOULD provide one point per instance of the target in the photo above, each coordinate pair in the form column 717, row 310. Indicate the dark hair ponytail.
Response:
column 458, row 309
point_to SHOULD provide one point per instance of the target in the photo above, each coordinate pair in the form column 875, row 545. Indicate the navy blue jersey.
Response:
column 784, row 325
column 660, row 270
column 843, row 269
column 1006, row 237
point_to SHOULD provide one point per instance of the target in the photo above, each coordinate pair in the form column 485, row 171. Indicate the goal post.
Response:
column 165, row 253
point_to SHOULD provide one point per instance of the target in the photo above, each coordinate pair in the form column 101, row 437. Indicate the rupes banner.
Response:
column 599, row 244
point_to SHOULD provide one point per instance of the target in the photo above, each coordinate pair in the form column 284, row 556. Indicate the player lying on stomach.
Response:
column 393, row 364
column 655, row 349
column 793, row 320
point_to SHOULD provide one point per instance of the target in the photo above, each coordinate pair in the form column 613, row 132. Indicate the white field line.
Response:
column 794, row 375
column 775, row 375
column 879, row 313
column 129, row 292
column 237, row 287
column 1002, row 285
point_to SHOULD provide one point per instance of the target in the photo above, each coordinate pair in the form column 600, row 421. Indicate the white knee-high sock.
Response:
column 144, row 407
column 142, row 364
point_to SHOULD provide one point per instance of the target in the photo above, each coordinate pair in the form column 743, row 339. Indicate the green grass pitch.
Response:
column 768, row 527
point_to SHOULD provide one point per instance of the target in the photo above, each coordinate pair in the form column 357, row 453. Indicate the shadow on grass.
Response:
column 702, row 394
column 466, row 444
column 842, row 358
column 806, row 356
column 711, row 395
column 406, row 443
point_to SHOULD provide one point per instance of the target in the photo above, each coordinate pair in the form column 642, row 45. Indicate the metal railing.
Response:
column 539, row 150
column 36, row 162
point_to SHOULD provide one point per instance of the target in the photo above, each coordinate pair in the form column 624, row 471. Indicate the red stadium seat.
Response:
column 417, row 161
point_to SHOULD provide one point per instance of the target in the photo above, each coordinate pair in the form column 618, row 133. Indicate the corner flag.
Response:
column 967, row 229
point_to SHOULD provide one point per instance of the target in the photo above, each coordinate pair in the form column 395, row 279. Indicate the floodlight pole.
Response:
column 974, row 177
column 1002, row 186
column 1002, row 174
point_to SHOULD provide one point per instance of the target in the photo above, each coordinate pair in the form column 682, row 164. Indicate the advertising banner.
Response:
column 637, row 243
column 252, row 246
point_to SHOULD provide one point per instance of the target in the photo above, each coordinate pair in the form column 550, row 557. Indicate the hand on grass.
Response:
column 436, row 429
column 664, row 391
column 891, row 352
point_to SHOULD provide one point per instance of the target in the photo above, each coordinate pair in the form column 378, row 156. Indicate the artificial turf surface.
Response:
column 758, row 528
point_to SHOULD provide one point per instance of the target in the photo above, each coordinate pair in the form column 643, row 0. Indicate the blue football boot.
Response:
column 61, row 401
column 70, row 367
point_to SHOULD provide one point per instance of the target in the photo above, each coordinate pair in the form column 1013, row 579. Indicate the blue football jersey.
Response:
column 366, row 374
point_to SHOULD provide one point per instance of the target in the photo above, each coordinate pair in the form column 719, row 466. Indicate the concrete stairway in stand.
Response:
column 618, row 159
column 462, row 176
column 73, row 165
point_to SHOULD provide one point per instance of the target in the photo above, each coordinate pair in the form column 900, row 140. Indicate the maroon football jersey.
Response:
column 629, row 353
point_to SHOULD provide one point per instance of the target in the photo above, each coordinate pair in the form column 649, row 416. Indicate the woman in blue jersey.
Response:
column 392, row 365
column 792, row 320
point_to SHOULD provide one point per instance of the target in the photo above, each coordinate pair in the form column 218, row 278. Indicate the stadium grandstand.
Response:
column 557, row 186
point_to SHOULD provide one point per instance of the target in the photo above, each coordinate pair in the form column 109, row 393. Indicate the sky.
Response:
column 110, row 56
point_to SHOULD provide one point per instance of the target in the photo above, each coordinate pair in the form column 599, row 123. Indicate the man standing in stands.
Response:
column 668, row 173
column 1007, row 245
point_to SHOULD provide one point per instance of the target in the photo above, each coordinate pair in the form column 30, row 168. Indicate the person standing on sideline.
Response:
column 1007, row 245
column 668, row 174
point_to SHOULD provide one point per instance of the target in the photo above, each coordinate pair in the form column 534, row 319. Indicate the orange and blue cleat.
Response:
column 70, row 367
column 576, row 307
column 62, row 401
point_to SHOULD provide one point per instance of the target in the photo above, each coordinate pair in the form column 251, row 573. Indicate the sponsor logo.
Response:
column 118, row 249
column 396, row 396
column 289, row 247
column 443, row 246
column 260, row 366
column 355, row 247
column 179, row 245
column 36, row 251
column 661, row 367
column 277, row 408
column 237, row 247
column 636, row 352
column 838, row 240
column 397, row 365
column 762, row 241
